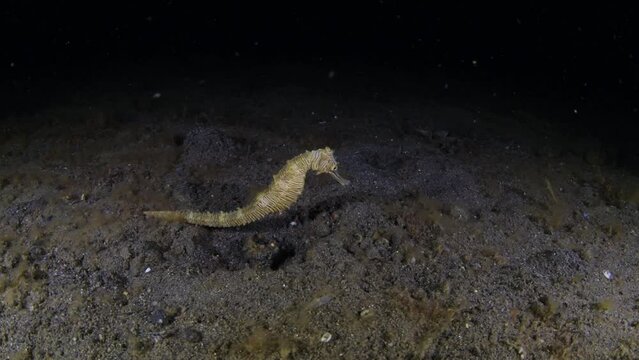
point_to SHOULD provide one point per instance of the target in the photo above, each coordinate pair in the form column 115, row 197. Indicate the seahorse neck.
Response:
column 311, row 159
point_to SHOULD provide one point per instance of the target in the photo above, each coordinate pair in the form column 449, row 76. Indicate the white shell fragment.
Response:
column 326, row 337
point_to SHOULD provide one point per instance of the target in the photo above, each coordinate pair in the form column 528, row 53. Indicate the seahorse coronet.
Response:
column 286, row 187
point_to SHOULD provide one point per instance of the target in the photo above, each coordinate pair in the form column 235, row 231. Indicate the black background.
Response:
column 586, row 53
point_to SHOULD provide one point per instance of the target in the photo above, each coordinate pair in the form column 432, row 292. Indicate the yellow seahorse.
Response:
column 285, row 189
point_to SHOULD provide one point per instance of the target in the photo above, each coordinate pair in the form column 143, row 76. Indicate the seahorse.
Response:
column 284, row 190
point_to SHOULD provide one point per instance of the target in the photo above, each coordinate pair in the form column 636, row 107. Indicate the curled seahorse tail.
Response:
column 179, row 216
column 238, row 217
column 219, row 219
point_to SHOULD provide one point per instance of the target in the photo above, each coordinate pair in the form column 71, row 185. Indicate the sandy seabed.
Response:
column 464, row 233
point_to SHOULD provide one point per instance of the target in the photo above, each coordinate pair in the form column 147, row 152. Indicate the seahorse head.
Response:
column 324, row 163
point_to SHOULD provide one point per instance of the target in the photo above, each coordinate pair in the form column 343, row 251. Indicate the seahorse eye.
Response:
column 334, row 167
